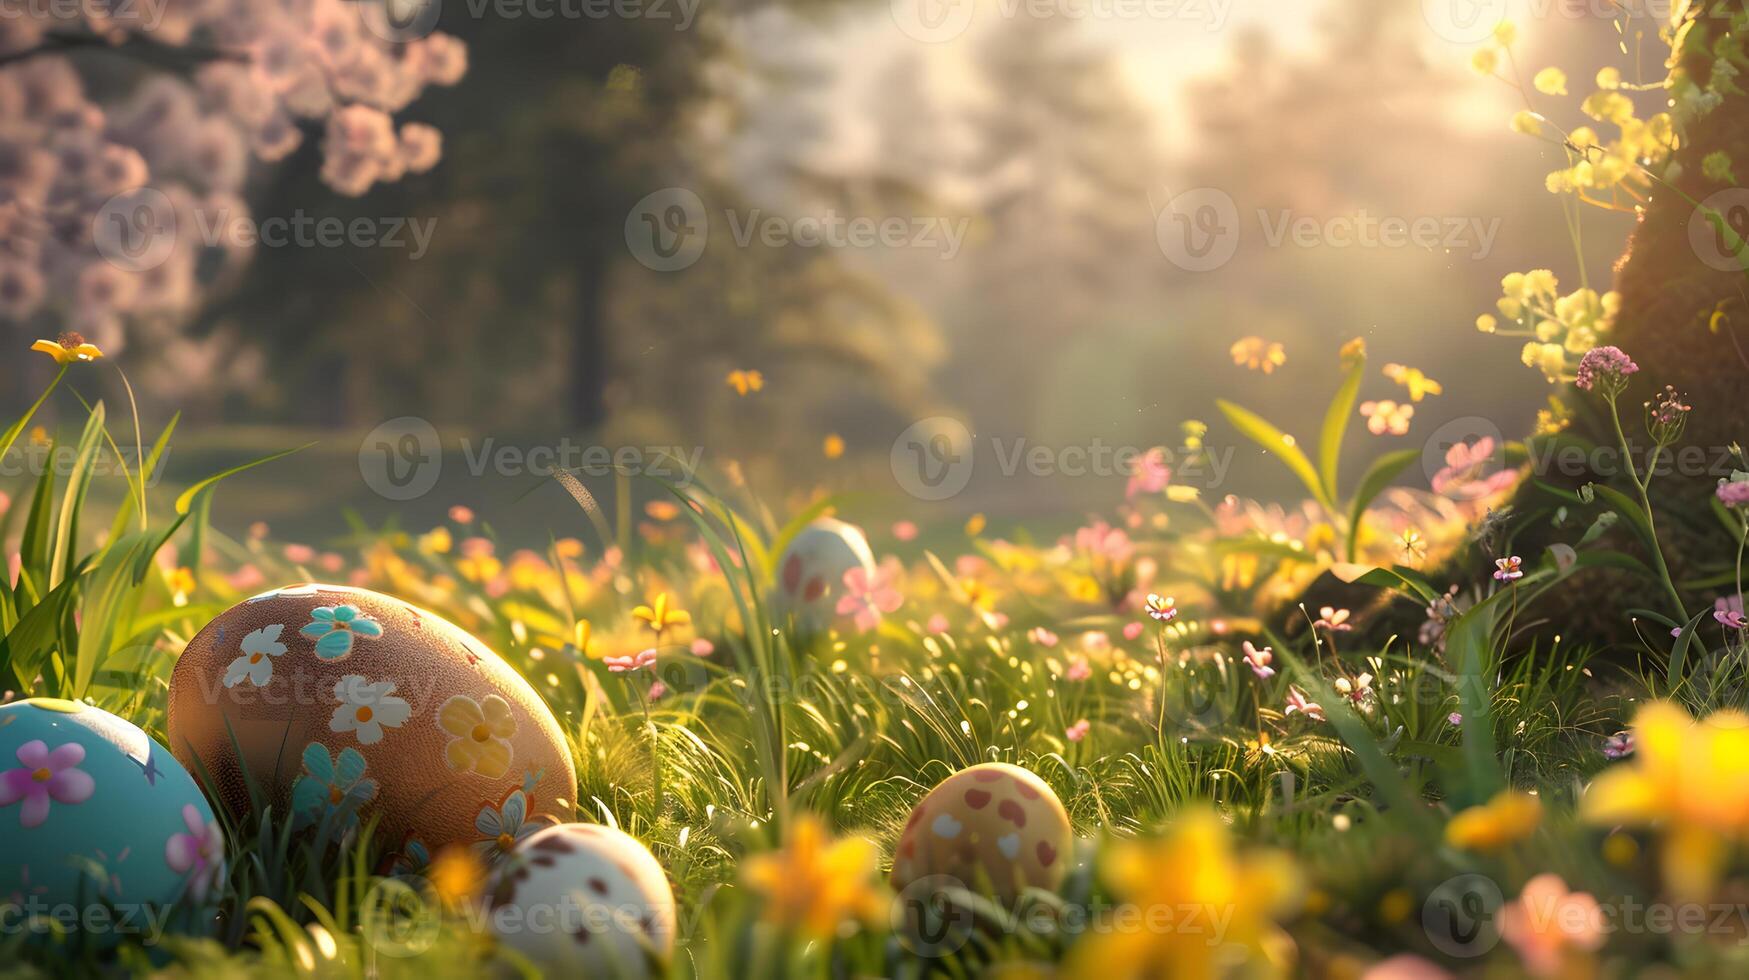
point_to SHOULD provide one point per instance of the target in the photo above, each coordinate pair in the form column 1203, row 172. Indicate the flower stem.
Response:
column 1646, row 505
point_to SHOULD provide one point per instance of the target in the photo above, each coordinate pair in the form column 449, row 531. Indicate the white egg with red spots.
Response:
column 583, row 899
column 994, row 827
column 810, row 575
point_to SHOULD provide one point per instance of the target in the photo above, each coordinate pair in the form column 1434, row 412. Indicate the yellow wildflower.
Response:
column 1419, row 384
column 1527, row 123
column 436, row 541
column 1487, row 324
column 1352, row 352
column 659, row 616
column 1197, row 875
column 975, row 525
column 1258, row 354
column 1485, row 60
column 69, row 349
column 1550, row 81
column 1691, row 779
column 833, row 447
column 745, row 381
column 1506, row 32
column 814, row 884
column 456, row 875
column 1506, row 819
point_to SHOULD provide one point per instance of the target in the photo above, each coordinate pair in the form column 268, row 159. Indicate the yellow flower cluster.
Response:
column 1559, row 330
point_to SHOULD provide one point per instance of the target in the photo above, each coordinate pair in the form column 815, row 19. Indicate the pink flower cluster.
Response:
column 1607, row 366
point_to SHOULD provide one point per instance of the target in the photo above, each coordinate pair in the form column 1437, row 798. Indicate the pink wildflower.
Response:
column 867, row 595
column 1605, row 366
column 637, row 661
column 1078, row 730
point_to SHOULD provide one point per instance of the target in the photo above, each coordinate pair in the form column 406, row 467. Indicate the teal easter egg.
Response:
column 101, row 829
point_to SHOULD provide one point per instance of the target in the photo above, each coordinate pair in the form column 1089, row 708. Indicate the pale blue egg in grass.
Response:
column 104, row 836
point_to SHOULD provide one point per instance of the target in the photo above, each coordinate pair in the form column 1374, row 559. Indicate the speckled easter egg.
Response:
column 810, row 575
column 585, row 900
column 341, row 705
column 94, row 813
column 993, row 827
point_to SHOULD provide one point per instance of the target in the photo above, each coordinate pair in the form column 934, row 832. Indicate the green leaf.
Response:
column 10, row 436
column 1395, row 577
column 1336, row 425
column 1273, row 440
column 1378, row 476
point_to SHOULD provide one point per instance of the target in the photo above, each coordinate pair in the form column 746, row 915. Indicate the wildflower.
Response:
column 1103, row 542
column 1357, row 689
column 702, row 647
column 1258, row 659
column 1605, row 369
column 1387, row 416
column 69, row 349
column 1413, row 545
column 437, row 541
column 1148, row 474
column 480, row 733
column 1078, row 730
column 1333, row 620
column 1297, row 701
column 461, row 514
column 1487, row 323
column 1547, row 922
column 813, row 884
column 662, row 510
column 1162, row 608
column 657, row 691
column 745, row 380
column 1549, row 358
column 1257, row 354
column 1618, row 746
column 867, row 595
column 832, row 446
column 1132, row 631
column 1508, row 569
column 1353, row 352
column 975, row 525
column 457, row 875
column 1195, row 865
column 1550, row 81
column 1454, row 719
column 1079, row 670
column 1734, row 492
column 1732, row 618
column 659, row 616
column 937, row 624
column 1509, row 817
column 1419, row 384
column 641, row 660
column 905, row 531
column 1095, row 641
column 1043, row 637
column 1666, row 417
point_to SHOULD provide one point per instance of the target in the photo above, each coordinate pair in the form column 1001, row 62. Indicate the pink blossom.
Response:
column 1406, row 966
column 199, row 854
column 1258, row 659
column 937, row 624
column 1334, row 620
column 638, row 661
column 1732, row 493
column 299, row 554
column 1078, row 730
column 1606, row 366
column 905, row 531
column 42, row 776
column 461, row 514
column 1618, row 746
column 1454, row 719
column 1149, row 474
column 657, row 690
column 1095, row 641
column 867, row 595
column 996, row 620
column 1079, row 669
column 1162, row 608
column 1508, row 569
column 1132, row 630
column 1041, row 636
column 1101, row 540
column 1462, row 479
column 1547, row 920
column 1728, row 610
column 1297, row 701
column 702, row 647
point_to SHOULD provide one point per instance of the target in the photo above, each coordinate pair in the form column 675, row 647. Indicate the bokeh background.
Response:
column 1051, row 135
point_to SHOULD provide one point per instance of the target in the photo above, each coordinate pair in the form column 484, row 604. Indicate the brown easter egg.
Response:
column 342, row 705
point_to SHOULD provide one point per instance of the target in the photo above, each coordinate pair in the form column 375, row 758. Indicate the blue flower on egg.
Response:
column 502, row 827
column 332, row 785
column 334, row 627
column 413, row 860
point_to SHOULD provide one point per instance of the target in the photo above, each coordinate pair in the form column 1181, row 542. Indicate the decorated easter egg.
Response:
column 97, row 818
column 810, row 575
column 993, row 827
column 585, row 900
column 340, row 705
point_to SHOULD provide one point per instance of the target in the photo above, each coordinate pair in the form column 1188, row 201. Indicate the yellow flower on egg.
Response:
column 480, row 731
column 814, row 883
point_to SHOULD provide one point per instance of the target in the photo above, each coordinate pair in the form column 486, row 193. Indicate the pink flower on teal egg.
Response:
column 199, row 854
column 42, row 776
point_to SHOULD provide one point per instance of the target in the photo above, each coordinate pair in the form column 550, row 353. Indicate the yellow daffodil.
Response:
column 1221, row 905
column 745, row 381
column 1506, row 819
column 1689, row 778
column 659, row 616
column 815, row 883
column 70, row 349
